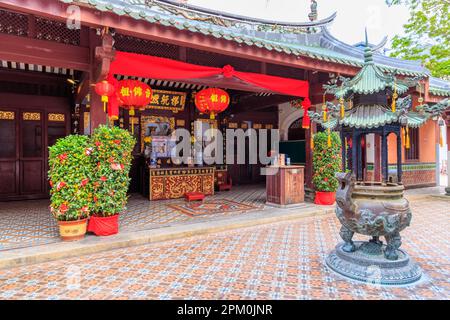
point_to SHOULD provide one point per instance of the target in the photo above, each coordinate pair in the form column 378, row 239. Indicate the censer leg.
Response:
column 394, row 241
column 347, row 235
column 376, row 240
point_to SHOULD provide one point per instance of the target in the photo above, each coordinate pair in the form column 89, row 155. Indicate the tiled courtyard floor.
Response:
column 277, row 261
column 29, row 223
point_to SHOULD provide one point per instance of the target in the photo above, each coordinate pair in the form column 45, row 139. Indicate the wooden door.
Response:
column 9, row 153
column 25, row 135
column 32, row 156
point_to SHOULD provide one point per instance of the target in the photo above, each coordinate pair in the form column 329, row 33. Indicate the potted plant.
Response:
column 112, row 158
column 70, row 178
column 326, row 163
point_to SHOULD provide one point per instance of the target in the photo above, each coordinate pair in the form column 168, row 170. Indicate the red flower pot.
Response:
column 104, row 226
column 325, row 198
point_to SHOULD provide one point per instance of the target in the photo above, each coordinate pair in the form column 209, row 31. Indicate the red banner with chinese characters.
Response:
column 138, row 65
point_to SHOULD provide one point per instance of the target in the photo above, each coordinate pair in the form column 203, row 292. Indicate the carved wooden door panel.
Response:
column 32, row 153
column 9, row 153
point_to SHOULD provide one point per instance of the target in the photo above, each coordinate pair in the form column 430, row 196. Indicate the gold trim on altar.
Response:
column 168, row 100
column 7, row 115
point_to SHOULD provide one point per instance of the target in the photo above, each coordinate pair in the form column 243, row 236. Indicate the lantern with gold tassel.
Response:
column 105, row 89
column 312, row 141
column 341, row 101
column 324, row 110
column 329, row 138
column 394, row 98
column 134, row 94
column 407, row 143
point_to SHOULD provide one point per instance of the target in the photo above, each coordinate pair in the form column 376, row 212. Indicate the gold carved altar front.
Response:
column 174, row 183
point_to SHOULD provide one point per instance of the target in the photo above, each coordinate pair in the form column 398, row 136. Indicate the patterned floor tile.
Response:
column 29, row 223
column 278, row 261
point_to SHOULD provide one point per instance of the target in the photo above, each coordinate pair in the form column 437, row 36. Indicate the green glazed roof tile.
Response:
column 138, row 10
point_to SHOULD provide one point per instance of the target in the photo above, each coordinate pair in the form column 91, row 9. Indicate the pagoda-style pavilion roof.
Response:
column 372, row 116
column 310, row 39
column 369, row 83
column 370, row 80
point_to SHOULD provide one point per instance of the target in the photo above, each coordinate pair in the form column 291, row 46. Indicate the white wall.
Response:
column 370, row 147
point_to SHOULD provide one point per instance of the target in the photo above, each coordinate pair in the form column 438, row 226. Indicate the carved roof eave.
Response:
column 327, row 48
column 225, row 15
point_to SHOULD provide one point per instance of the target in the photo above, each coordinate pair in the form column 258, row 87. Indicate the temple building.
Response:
column 53, row 51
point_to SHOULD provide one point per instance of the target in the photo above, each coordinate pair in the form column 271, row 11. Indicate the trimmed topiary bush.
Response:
column 70, row 177
column 112, row 158
column 327, row 161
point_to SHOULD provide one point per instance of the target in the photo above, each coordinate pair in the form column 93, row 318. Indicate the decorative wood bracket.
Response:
column 104, row 55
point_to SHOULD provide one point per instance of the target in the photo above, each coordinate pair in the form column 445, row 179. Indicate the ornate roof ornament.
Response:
column 313, row 14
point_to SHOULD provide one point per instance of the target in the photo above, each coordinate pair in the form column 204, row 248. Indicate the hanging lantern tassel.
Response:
column 131, row 113
column 342, row 108
column 325, row 115
column 312, row 142
column 407, row 144
column 394, row 99
column 403, row 135
column 329, row 138
column 105, row 101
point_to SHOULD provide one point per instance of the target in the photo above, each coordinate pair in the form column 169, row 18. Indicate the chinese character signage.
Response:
column 168, row 100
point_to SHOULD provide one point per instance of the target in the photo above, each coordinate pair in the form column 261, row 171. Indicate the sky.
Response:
column 353, row 15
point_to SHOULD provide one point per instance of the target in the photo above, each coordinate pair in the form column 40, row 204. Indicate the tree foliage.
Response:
column 427, row 35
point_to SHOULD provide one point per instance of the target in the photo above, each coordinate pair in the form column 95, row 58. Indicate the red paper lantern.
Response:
column 106, row 90
column 212, row 101
column 134, row 94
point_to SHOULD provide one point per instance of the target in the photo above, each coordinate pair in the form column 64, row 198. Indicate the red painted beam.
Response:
column 41, row 52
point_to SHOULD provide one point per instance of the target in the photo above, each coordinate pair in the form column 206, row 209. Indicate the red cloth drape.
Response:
column 138, row 65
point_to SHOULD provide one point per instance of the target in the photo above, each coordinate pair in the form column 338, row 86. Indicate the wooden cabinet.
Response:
column 285, row 185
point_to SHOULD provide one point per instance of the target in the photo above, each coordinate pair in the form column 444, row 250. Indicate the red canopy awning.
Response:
column 144, row 66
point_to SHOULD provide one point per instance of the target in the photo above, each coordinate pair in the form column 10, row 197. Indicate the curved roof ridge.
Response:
column 229, row 15
column 356, row 52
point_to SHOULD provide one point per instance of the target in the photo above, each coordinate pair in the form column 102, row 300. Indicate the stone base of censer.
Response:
column 368, row 264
